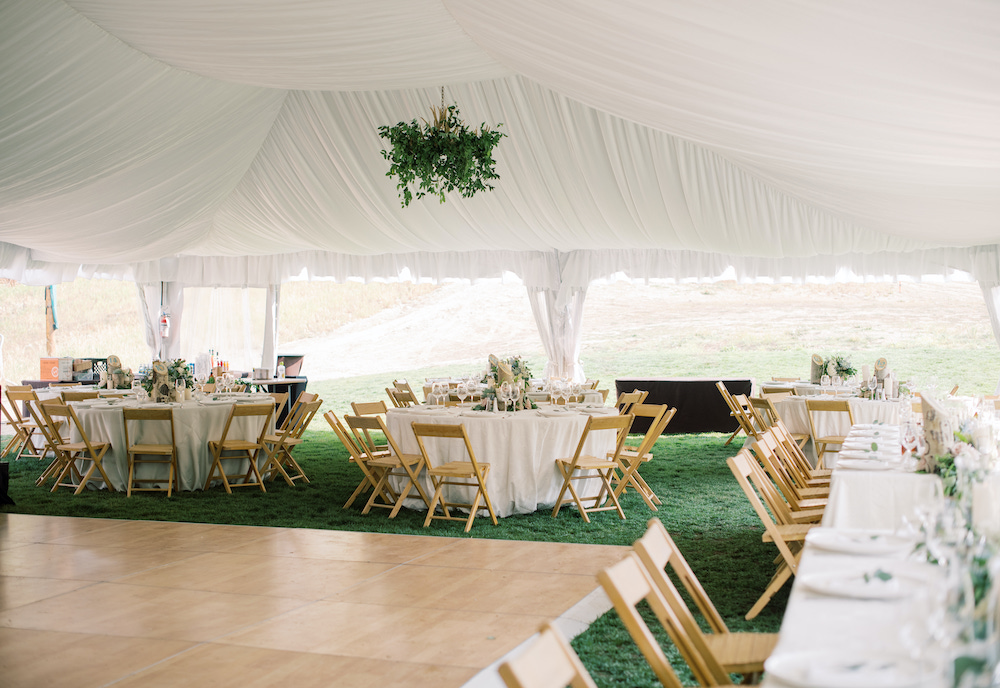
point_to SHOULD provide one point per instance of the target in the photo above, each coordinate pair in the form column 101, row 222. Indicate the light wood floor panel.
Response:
column 233, row 666
column 133, row 603
column 434, row 587
column 30, row 659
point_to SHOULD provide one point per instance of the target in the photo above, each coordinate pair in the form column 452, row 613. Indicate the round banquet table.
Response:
column 521, row 449
column 195, row 423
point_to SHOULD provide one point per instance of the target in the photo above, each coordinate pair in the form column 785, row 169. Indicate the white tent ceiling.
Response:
column 235, row 141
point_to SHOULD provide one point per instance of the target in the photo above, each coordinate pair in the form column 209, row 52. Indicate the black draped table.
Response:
column 700, row 406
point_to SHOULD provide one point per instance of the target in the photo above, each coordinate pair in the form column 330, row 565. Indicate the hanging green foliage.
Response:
column 444, row 156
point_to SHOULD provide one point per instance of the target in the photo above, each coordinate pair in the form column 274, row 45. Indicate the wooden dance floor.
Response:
column 93, row 602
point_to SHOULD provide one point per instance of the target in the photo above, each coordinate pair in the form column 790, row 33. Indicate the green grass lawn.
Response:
column 704, row 509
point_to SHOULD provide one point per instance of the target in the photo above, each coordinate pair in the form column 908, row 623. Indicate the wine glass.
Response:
column 516, row 394
column 136, row 386
column 825, row 380
column 462, row 391
column 504, row 394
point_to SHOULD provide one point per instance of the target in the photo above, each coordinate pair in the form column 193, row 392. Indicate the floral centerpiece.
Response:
column 839, row 365
column 513, row 370
column 177, row 370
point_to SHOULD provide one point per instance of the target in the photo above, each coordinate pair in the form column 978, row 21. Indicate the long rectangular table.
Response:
column 700, row 406
column 843, row 639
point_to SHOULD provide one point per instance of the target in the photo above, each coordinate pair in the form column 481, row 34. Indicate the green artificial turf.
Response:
column 704, row 510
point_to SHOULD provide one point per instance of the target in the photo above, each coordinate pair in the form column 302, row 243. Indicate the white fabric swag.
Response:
column 558, row 315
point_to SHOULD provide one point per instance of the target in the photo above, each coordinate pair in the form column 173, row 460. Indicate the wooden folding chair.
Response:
column 75, row 453
column 303, row 398
column 358, row 456
column 462, row 474
column 580, row 466
column 627, row 399
column 628, row 584
column 787, row 536
column 369, row 408
column 403, row 386
column 768, row 413
column 812, row 476
column 72, row 395
column 806, row 504
column 738, row 653
column 240, row 449
column 50, row 430
column 26, row 427
column 738, row 411
column 151, row 453
column 631, row 458
column 814, row 406
column 280, row 401
column 278, row 446
column 390, row 464
column 549, row 662
column 401, row 398
column 21, row 438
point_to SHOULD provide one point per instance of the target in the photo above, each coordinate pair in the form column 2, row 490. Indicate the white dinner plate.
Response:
column 831, row 669
column 865, row 585
column 216, row 402
column 859, row 542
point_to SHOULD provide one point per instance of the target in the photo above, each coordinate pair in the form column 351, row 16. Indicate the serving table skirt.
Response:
column 194, row 425
column 521, row 449
column 700, row 406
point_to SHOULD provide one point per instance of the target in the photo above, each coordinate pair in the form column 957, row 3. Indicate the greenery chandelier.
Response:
column 444, row 155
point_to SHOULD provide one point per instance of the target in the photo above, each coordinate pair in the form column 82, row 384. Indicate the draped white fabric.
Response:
column 558, row 315
column 884, row 112
column 140, row 130
column 234, row 142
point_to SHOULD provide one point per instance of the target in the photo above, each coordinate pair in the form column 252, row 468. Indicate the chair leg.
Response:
column 562, row 492
column 777, row 580
column 434, row 501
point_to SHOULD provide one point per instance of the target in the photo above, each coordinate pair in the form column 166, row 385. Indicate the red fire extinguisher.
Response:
column 164, row 323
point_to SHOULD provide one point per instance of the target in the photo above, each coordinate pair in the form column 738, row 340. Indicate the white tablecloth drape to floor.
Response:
column 194, row 425
column 847, row 635
column 521, row 449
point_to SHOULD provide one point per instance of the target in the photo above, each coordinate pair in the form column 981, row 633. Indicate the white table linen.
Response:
column 817, row 627
column 826, row 626
column 521, row 449
column 806, row 389
column 194, row 425
column 793, row 414
column 883, row 499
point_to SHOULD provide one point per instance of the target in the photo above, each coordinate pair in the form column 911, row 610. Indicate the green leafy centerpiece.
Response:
column 512, row 370
column 443, row 155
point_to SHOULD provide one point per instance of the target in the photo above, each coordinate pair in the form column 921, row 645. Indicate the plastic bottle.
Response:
column 280, row 371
